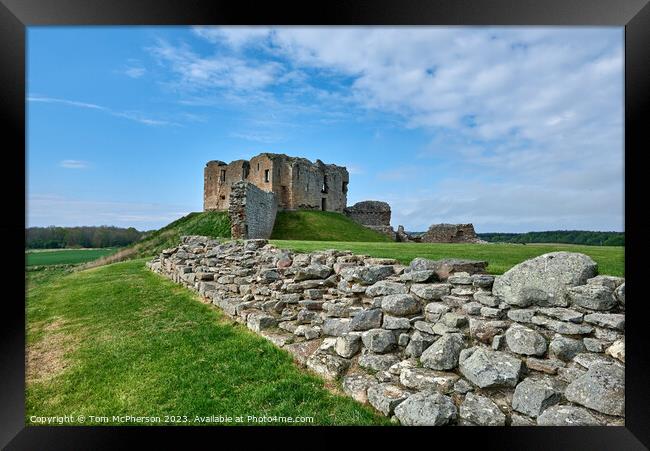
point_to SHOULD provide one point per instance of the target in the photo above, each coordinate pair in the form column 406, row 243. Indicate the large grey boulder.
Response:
column 427, row 408
column 481, row 411
column 544, row 280
column 443, row 354
column 487, row 368
column 400, row 305
column 567, row 416
column 602, row 388
column 533, row 396
column 609, row 320
column 386, row 396
column 336, row 327
column 379, row 340
column 348, row 345
column 522, row 340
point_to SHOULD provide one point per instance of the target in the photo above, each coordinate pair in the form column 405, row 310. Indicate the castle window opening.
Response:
column 266, row 175
column 324, row 188
column 223, row 175
column 244, row 173
column 345, row 187
column 223, row 197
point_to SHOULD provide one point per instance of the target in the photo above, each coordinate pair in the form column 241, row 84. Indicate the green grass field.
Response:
column 120, row 340
column 65, row 256
column 321, row 226
column 500, row 257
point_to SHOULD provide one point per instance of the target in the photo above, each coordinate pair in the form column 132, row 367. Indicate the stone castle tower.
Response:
column 298, row 184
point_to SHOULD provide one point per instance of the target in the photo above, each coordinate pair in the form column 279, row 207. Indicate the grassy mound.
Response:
column 120, row 340
column 321, row 226
column 210, row 223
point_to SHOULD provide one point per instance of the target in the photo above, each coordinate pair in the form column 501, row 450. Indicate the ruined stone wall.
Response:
column 372, row 214
column 298, row 183
column 450, row 233
column 252, row 211
column 434, row 342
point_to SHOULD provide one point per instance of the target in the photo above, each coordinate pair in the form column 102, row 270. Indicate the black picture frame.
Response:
column 16, row 15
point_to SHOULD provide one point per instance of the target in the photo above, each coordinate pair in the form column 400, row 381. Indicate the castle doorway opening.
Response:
column 323, row 204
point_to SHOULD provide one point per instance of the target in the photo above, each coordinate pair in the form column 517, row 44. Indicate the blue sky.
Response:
column 513, row 129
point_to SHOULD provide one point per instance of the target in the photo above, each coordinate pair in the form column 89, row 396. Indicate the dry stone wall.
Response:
column 434, row 342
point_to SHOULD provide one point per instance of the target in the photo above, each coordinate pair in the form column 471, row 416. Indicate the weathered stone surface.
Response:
column 533, row 396
column 336, row 326
column 617, row 350
column 522, row 340
column 472, row 308
column 443, row 354
column 379, row 340
column 418, row 343
column 562, row 327
column 385, row 288
column 427, row 408
column 356, row 386
column 395, row 323
column 562, row 314
column 544, row 280
column 260, row 321
column 454, row 320
column 482, row 281
column 460, row 278
column 602, row 389
column 418, row 276
column 400, row 305
column 610, row 282
column 424, row 378
column 486, row 298
column 619, row 294
column 521, row 315
column 548, row 366
column 462, row 386
column 487, row 368
column 348, row 345
column 491, row 312
column 431, row 291
column 377, row 362
column 484, row 331
column 386, row 397
column 593, row 297
column 481, row 411
column 434, row 311
column 567, row 416
column 366, row 319
column 327, row 365
column 367, row 275
column 565, row 348
column 610, row 320
column 312, row 272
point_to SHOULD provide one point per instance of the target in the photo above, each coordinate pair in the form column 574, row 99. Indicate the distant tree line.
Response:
column 559, row 236
column 73, row 237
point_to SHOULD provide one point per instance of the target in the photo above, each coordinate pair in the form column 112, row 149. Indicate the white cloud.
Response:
column 73, row 164
column 135, row 72
column 131, row 115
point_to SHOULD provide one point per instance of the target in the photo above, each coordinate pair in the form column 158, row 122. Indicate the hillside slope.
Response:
column 321, row 226
column 210, row 223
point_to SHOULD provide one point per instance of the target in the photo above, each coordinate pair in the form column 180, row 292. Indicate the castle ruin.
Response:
column 297, row 183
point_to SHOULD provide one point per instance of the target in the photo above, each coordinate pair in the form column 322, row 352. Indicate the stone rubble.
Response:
column 434, row 342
